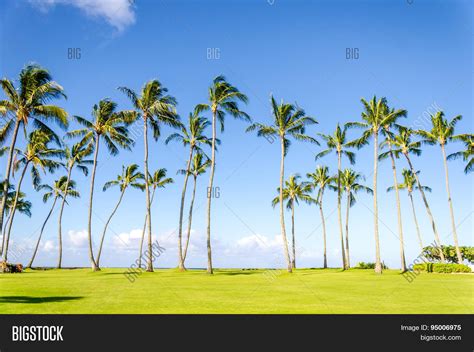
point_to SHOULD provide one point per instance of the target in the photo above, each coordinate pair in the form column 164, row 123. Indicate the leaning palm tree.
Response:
column 293, row 193
column 338, row 143
column 40, row 157
column 193, row 135
column 409, row 183
column 153, row 107
column 223, row 98
column 404, row 145
column 350, row 182
column 155, row 181
column 28, row 103
column 441, row 133
column 199, row 166
column 375, row 117
column 467, row 154
column 59, row 189
column 107, row 125
column 288, row 121
column 319, row 180
column 130, row 177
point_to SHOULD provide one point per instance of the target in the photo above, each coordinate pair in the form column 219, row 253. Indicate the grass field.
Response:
column 234, row 291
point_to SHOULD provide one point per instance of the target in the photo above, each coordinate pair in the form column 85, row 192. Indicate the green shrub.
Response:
column 442, row 268
column 363, row 265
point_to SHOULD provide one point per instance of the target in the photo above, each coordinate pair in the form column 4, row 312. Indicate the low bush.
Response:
column 363, row 265
column 442, row 268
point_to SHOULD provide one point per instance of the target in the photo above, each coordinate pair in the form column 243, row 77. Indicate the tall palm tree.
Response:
column 409, row 183
column 288, row 121
column 441, row 133
column 108, row 125
column 293, row 192
column 199, row 165
column 155, row 181
column 130, row 177
column 59, row 189
column 39, row 156
column 319, row 180
column 350, row 182
column 28, row 103
column 467, row 154
column 153, row 107
column 404, row 145
column 224, row 98
column 193, row 135
column 338, row 143
column 375, row 117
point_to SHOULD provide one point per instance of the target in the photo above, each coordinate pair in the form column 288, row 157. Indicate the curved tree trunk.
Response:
column 323, row 222
column 348, row 262
column 107, row 224
column 209, row 194
column 5, row 231
column 293, row 262
column 143, row 232
column 451, row 211
column 190, row 219
column 378, row 263
column 339, row 216
column 91, row 197
column 399, row 214
column 181, row 211
column 416, row 222
column 428, row 210
column 7, row 175
column 149, row 266
column 9, row 229
column 60, row 234
column 30, row 264
column 282, row 212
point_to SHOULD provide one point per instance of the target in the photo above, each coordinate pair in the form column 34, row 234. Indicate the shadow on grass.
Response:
column 30, row 299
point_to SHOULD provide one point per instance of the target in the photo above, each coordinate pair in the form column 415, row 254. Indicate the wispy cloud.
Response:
column 118, row 13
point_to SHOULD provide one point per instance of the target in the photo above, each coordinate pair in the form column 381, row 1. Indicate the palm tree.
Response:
column 293, row 193
column 338, row 143
column 467, row 154
column 193, row 135
column 409, row 183
column 442, row 132
column 157, row 180
column 59, row 189
column 375, row 116
column 28, row 103
column 198, row 167
column 288, row 121
column 38, row 155
column 404, row 145
column 223, row 98
column 350, row 182
column 108, row 125
column 320, row 179
column 153, row 107
column 130, row 177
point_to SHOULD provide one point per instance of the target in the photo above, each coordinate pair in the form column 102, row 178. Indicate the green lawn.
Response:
column 234, row 291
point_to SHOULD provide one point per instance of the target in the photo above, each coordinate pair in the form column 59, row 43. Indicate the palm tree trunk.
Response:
column 378, row 263
column 293, row 262
column 428, row 210
column 30, row 264
column 4, row 231
column 399, row 213
column 282, row 212
column 60, row 234
column 348, row 262
column 181, row 211
column 6, row 182
column 416, row 221
column 143, row 232
column 107, row 224
column 190, row 219
column 147, row 191
column 210, row 192
column 451, row 211
column 13, row 211
column 339, row 216
column 323, row 222
column 91, row 197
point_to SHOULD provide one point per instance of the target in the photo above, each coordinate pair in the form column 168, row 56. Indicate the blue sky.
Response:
column 418, row 54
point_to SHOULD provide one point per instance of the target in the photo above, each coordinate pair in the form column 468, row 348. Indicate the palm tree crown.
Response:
column 294, row 191
column 130, row 177
column 467, row 154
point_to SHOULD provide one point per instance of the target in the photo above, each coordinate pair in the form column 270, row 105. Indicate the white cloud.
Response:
column 78, row 238
column 117, row 13
column 49, row 246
